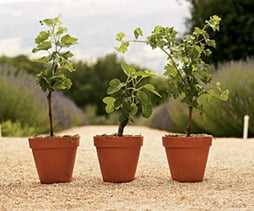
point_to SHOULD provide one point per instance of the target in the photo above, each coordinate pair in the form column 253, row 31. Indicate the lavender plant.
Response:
column 23, row 106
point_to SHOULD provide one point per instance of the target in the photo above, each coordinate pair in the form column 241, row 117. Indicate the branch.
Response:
column 173, row 64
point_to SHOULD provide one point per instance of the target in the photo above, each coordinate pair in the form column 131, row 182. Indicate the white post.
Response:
column 0, row 131
column 245, row 126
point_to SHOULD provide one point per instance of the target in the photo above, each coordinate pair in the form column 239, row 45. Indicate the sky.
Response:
column 94, row 22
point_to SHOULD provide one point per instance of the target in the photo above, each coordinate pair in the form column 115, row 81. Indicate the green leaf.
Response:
column 127, row 69
column 115, row 82
column 34, row 50
column 198, row 49
column 210, row 95
column 43, row 84
column 158, row 30
column 211, row 43
column 42, row 36
column 69, row 67
column 218, row 85
column 48, row 22
column 44, row 59
column 185, row 60
column 123, row 117
column 138, row 32
column 68, row 40
column 146, row 104
column 197, row 31
column 43, row 80
column 67, row 54
column 214, row 22
column 126, row 109
column 109, row 101
column 224, row 95
column 61, row 30
column 114, row 86
column 208, row 52
column 61, row 82
column 151, row 88
column 120, row 36
column 44, row 46
column 119, row 99
column 144, row 74
column 123, row 47
column 133, row 109
column 170, row 71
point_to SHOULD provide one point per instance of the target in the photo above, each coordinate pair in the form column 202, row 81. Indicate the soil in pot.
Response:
column 118, row 157
column 187, row 157
column 54, row 157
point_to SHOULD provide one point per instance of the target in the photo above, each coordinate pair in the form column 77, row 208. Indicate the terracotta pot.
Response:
column 118, row 157
column 54, row 157
column 187, row 157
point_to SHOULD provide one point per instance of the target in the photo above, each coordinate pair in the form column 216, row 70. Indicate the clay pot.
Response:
column 187, row 157
column 118, row 157
column 54, row 157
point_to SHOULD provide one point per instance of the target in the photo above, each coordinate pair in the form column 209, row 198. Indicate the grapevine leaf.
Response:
column 68, row 40
column 138, row 32
column 151, row 88
column 109, row 101
column 146, row 104
column 120, row 36
column 42, row 36
column 127, row 69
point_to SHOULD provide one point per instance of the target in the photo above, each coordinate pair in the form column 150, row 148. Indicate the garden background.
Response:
column 23, row 106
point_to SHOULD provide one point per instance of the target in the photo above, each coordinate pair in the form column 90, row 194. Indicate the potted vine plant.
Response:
column 188, row 76
column 54, row 155
column 118, row 154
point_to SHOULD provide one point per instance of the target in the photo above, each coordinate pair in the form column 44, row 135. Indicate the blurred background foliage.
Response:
column 218, row 118
column 236, row 37
column 23, row 110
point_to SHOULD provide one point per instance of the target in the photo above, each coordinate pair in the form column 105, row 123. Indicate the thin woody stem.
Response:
column 121, row 127
column 189, row 125
column 50, row 114
column 178, row 72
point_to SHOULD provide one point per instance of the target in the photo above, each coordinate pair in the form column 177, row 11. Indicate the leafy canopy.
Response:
column 54, row 41
column 130, row 95
column 185, row 69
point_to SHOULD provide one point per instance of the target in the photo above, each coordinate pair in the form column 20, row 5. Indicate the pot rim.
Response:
column 118, row 141
column 54, row 137
column 187, row 142
column 54, row 142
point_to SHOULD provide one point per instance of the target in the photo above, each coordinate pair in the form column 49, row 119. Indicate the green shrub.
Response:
column 16, row 129
column 23, row 105
column 218, row 118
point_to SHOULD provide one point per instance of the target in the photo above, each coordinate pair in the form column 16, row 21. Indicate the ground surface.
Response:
column 228, row 184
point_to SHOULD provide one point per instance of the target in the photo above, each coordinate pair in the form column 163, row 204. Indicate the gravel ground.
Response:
column 228, row 184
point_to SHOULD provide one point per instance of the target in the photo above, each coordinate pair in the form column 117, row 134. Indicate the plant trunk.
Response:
column 50, row 114
column 189, row 125
column 121, row 127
